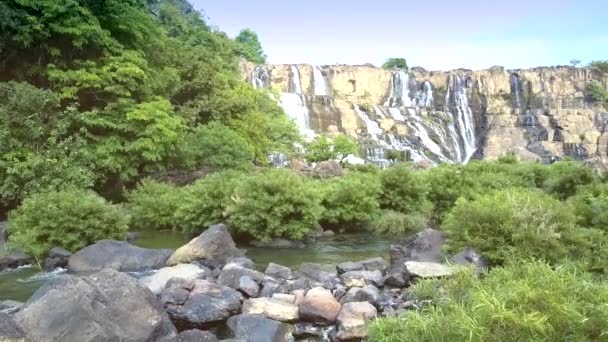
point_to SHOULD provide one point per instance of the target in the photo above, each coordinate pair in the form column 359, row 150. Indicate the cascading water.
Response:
column 400, row 93
column 372, row 126
column 294, row 105
column 457, row 93
column 260, row 77
column 320, row 84
column 425, row 96
column 516, row 90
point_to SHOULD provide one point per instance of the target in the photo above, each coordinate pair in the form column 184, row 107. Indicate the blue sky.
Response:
column 435, row 34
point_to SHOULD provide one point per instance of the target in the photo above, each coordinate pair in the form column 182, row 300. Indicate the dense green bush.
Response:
column 404, row 190
column 395, row 63
column 394, row 223
column 351, row 201
column 71, row 219
column 205, row 202
column 152, row 205
column 272, row 204
column 324, row 148
column 520, row 302
column 518, row 223
column 566, row 176
column 591, row 206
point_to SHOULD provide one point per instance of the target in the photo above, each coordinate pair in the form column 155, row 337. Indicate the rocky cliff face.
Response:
column 451, row 116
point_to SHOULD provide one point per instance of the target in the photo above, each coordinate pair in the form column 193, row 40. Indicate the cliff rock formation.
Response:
column 445, row 116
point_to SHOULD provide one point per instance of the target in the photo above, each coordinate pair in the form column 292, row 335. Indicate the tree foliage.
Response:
column 324, row 148
column 395, row 63
column 249, row 46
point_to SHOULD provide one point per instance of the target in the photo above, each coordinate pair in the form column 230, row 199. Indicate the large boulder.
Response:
column 328, row 169
column 255, row 328
column 57, row 258
column 362, row 278
column 117, row 255
column 319, row 306
column 428, row 269
column 271, row 308
column 105, row 306
column 9, row 330
column 157, row 281
column 353, row 318
column 316, row 272
column 232, row 273
column 15, row 259
column 10, row 306
column 213, row 246
column 207, row 303
column 278, row 271
column 368, row 293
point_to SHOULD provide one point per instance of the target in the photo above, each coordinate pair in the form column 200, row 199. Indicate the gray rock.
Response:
column 174, row 296
column 232, row 273
column 470, row 257
column 157, row 281
column 255, row 328
column 117, row 255
column 349, row 266
column 316, row 272
column 328, row 233
column 241, row 261
column 3, row 233
column 270, row 288
column 328, row 169
column 298, row 284
column 9, row 330
column 319, row 306
column 278, row 271
column 278, row 243
column 289, row 298
column 368, row 293
column 105, row 306
column 362, row 278
column 353, row 318
column 272, row 308
column 307, row 330
column 15, row 259
column 375, row 264
column 207, row 303
column 339, row 292
column 10, row 306
column 248, row 286
column 195, row 335
column 428, row 269
column 214, row 247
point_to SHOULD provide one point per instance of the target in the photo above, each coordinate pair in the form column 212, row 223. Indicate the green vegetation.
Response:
column 71, row 219
column 596, row 92
column 394, row 223
column 323, row 148
column 249, row 46
column 601, row 65
column 395, row 63
column 152, row 205
column 521, row 302
column 404, row 190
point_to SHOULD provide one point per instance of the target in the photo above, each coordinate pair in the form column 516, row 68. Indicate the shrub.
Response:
column 520, row 302
column 205, row 202
column 394, row 223
column 591, row 206
column 564, row 178
column 596, row 92
column 274, row 204
column 71, row 219
column 395, row 63
column 516, row 223
column 324, row 148
column 404, row 190
column 350, row 202
column 152, row 205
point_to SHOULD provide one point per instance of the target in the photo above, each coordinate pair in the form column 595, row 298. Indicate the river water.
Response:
column 20, row 284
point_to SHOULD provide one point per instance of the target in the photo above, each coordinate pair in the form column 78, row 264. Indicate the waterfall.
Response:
column 260, row 77
column 400, row 93
column 294, row 105
column 320, row 85
column 379, row 111
column 423, row 134
column 457, row 91
column 516, row 90
column 425, row 98
column 372, row 126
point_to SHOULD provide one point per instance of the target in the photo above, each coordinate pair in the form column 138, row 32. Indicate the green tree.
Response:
column 323, row 148
column 344, row 145
column 596, row 92
column 249, row 46
column 395, row 63
column 601, row 65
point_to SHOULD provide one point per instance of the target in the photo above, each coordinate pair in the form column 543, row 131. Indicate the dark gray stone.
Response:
column 375, row 264
column 10, row 306
column 9, row 330
column 248, row 286
column 255, row 328
column 339, row 292
column 57, row 258
column 105, row 306
column 368, row 293
column 470, row 257
column 195, row 335
column 117, row 255
column 278, row 271
column 232, row 273
column 269, row 288
column 307, row 330
column 316, row 272
column 241, row 261
column 207, row 303
column 3, row 234
column 298, row 284
column 349, row 266
column 15, row 259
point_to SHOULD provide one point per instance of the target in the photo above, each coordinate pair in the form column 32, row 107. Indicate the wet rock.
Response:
column 278, row 243
column 278, row 271
column 299, row 284
column 271, row 308
column 255, row 328
column 117, row 255
column 248, row 286
column 207, row 303
column 269, row 288
column 319, row 306
column 157, row 281
column 10, row 306
column 9, row 330
column 232, row 273
column 353, row 318
column 368, row 293
column 307, row 330
column 241, row 261
column 57, row 258
column 375, row 264
column 328, row 169
column 362, row 278
column 15, row 259
column 195, row 336
column 428, row 269
column 3, row 234
column 105, row 306
column 349, row 266
column 213, row 247
column 316, row 272
column 469, row 257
